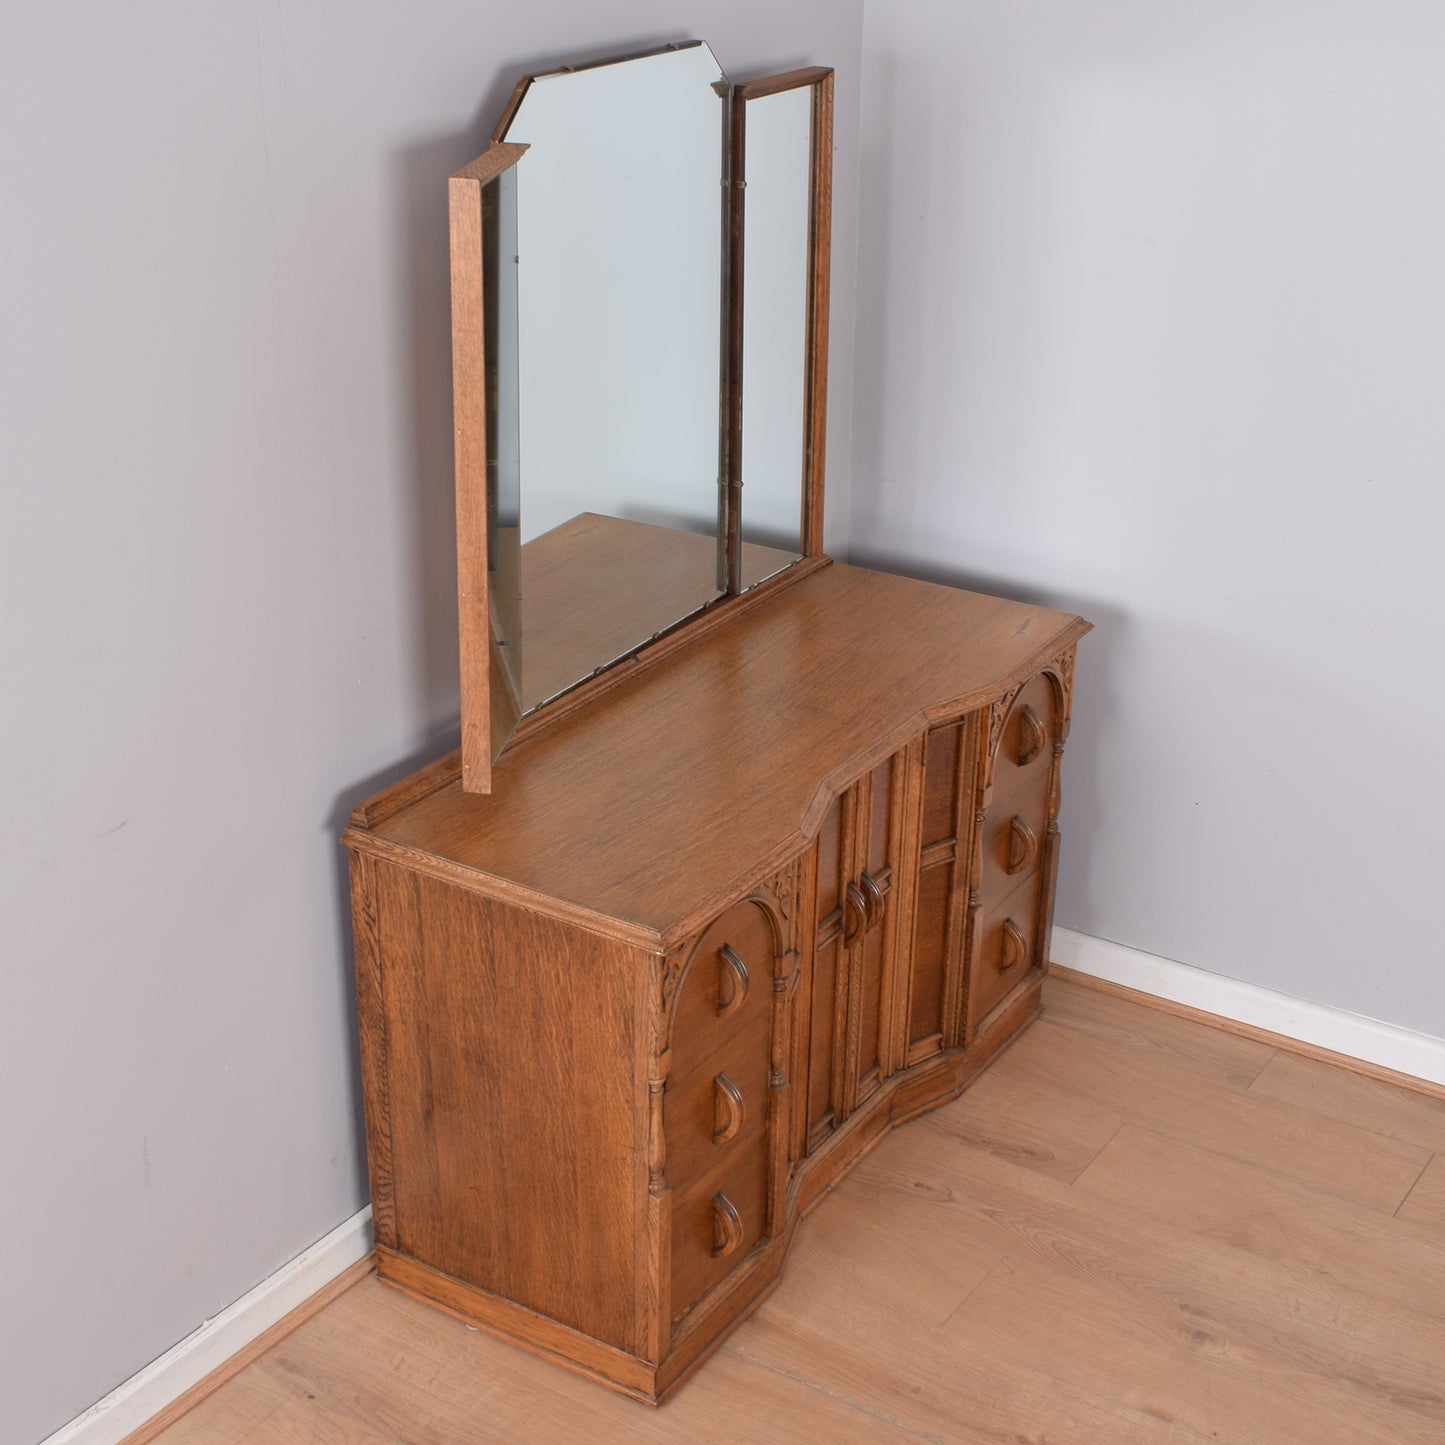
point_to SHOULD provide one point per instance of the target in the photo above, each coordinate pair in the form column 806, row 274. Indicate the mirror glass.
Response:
column 777, row 200
column 504, row 476
column 619, row 250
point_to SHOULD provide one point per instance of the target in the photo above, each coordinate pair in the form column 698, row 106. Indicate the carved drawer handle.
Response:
column 1023, row 846
column 727, row 1226
column 732, row 981
column 855, row 912
column 1015, row 947
column 873, row 896
column 1032, row 736
column 727, row 1109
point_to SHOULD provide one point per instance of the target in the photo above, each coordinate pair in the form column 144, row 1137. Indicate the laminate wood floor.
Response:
column 1135, row 1227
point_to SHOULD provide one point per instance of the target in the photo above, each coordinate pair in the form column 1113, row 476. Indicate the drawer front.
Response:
column 1015, row 828
column 1007, row 947
column 714, row 1109
column 717, row 1221
column 1027, row 742
column 728, row 986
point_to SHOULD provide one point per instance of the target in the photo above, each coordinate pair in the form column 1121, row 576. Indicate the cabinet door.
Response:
column 932, row 979
column 852, row 887
column 875, row 803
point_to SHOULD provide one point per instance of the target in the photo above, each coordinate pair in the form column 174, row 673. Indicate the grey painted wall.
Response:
column 227, row 590
column 1152, row 326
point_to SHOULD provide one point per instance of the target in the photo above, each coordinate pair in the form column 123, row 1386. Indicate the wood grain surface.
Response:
column 756, row 726
column 1034, row 1262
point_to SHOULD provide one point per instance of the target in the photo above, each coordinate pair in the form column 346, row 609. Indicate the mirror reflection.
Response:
column 776, row 274
column 621, row 293
column 619, row 241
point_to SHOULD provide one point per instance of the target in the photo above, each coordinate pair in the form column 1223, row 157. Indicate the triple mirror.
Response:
column 639, row 320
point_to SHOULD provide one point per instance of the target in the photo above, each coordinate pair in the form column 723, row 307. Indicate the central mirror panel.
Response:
column 619, row 249
column 639, row 257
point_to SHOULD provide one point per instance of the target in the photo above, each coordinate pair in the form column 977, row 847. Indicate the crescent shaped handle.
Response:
column 873, row 896
column 727, row 1109
column 1023, row 846
column 855, row 912
column 1032, row 736
column 732, row 980
column 1014, row 947
column 727, row 1225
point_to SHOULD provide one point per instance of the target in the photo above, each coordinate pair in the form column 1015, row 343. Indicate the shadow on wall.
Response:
column 1098, row 705
column 437, row 746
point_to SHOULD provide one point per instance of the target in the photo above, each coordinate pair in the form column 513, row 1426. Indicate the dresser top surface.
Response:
column 676, row 787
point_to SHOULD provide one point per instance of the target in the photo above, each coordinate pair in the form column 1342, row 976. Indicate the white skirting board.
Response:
column 148, row 1392
column 1420, row 1055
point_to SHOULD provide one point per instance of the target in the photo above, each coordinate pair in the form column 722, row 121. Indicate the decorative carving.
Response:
column 656, row 1140
column 1063, row 665
column 674, row 965
column 998, row 715
column 780, row 893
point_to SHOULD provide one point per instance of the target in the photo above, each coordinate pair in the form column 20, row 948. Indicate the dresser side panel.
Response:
column 515, row 1123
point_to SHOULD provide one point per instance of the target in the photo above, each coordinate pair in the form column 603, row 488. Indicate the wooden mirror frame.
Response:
column 490, row 705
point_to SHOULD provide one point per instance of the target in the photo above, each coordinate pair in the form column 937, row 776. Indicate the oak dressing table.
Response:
column 737, row 898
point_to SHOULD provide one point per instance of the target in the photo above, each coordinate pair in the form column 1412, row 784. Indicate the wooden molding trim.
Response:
column 1364, row 1046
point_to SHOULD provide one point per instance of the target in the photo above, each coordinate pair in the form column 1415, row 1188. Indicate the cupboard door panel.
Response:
column 940, row 782
column 872, row 824
column 828, row 976
column 936, row 936
column 930, row 937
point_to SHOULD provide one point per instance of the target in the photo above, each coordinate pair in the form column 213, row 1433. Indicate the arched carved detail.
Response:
column 997, row 716
column 776, row 897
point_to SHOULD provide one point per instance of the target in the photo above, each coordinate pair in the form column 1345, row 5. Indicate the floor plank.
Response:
column 1161, row 1091
column 1135, row 1027
column 1334, row 1092
column 395, row 1366
column 1425, row 1203
column 1029, row 1123
column 230, row 1415
column 1369, row 1355
column 1209, row 1194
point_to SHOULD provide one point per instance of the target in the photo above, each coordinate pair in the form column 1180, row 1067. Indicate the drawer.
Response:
column 718, row 1100
column 1029, row 730
column 727, row 990
column 1007, row 946
column 713, row 1111
column 718, row 1219
column 1014, row 828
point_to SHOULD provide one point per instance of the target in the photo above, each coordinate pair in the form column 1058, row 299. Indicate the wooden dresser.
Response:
column 626, row 1020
